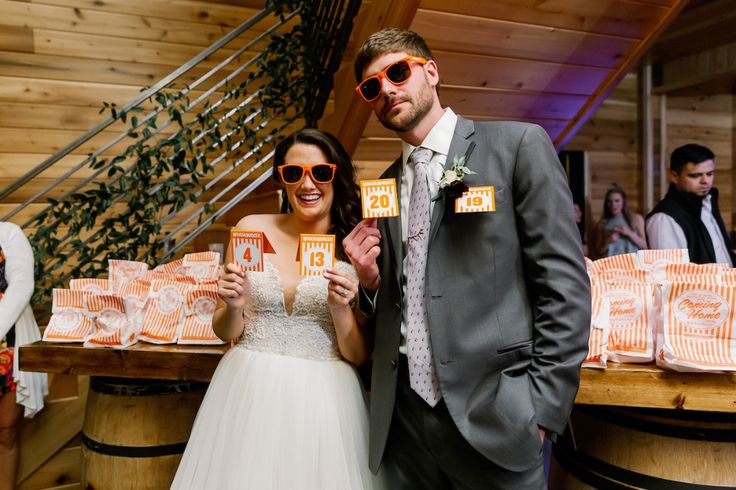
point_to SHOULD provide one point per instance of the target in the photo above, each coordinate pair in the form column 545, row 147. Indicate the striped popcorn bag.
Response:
column 200, row 307
column 600, row 329
column 631, row 318
column 634, row 275
column 122, row 271
column 623, row 262
column 165, row 311
column 92, row 285
column 69, row 321
column 676, row 272
column 697, row 331
column 135, row 298
column 112, row 326
column 202, row 266
column 171, row 269
column 655, row 259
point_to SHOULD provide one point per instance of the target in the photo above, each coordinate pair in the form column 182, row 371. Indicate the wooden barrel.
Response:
column 135, row 431
column 621, row 448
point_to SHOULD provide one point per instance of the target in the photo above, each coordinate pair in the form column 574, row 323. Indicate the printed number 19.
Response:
column 474, row 201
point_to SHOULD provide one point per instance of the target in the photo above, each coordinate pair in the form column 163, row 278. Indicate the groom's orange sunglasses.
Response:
column 321, row 173
column 397, row 73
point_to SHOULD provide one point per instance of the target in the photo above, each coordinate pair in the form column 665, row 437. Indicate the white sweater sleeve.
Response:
column 18, row 273
column 664, row 232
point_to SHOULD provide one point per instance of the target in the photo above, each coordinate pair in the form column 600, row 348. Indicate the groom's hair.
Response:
column 391, row 40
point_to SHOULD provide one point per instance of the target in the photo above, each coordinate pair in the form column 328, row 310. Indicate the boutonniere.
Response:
column 451, row 183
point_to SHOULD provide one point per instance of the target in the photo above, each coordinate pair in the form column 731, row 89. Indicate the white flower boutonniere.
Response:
column 451, row 183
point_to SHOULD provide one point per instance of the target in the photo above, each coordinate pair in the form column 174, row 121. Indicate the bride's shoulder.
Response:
column 256, row 222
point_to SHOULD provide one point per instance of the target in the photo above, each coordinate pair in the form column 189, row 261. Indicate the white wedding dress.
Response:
column 283, row 410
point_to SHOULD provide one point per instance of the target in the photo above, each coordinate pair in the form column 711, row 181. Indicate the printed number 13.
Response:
column 317, row 259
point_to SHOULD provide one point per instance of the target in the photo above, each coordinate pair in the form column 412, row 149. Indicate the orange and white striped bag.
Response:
column 634, row 275
column 112, row 326
column 616, row 263
column 171, row 269
column 202, row 266
column 697, row 331
column 122, row 271
column 93, row 285
column 200, row 307
column 728, row 277
column 632, row 320
column 69, row 321
column 135, row 299
column 600, row 329
column 678, row 272
column 165, row 311
column 655, row 259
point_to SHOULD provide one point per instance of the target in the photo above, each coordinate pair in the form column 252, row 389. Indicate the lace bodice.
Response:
column 308, row 332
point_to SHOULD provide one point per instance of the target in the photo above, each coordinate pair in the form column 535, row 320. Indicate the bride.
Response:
column 285, row 408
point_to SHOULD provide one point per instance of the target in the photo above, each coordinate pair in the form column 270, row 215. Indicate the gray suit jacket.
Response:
column 508, row 299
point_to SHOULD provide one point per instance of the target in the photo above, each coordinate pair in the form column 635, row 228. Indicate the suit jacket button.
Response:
column 393, row 363
column 397, row 305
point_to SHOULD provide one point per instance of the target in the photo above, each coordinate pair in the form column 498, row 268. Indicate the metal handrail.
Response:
column 144, row 95
column 125, row 134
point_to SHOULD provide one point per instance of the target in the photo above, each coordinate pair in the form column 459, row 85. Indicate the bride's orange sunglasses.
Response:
column 321, row 173
column 397, row 73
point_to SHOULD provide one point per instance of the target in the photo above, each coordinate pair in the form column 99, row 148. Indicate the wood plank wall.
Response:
column 60, row 59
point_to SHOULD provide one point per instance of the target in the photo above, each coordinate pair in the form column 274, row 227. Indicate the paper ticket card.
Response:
column 379, row 198
column 476, row 200
column 316, row 254
column 247, row 249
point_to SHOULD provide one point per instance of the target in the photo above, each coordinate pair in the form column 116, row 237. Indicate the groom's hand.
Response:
column 362, row 246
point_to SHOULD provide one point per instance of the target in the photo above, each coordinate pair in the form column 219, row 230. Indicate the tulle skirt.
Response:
column 271, row 422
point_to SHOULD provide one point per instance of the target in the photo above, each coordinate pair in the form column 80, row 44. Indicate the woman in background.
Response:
column 285, row 408
column 619, row 231
column 20, row 392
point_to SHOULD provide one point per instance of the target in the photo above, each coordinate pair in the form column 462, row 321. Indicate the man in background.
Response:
column 688, row 216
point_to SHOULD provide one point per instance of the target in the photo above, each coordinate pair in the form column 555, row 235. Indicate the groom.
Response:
column 481, row 319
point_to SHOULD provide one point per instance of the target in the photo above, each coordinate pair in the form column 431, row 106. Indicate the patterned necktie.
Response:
column 422, row 375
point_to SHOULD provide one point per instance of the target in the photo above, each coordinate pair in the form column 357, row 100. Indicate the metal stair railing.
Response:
column 190, row 150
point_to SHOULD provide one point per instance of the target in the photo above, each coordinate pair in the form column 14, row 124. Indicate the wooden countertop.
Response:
column 629, row 385
column 142, row 360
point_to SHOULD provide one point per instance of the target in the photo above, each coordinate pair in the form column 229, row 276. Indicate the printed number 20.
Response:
column 379, row 202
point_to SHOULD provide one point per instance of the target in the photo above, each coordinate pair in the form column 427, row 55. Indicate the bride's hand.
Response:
column 233, row 286
column 342, row 288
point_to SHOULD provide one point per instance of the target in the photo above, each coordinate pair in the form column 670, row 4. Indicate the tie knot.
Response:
column 420, row 155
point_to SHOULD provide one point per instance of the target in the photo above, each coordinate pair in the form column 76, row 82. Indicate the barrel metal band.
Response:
column 601, row 474
column 141, row 387
column 661, row 428
column 134, row 451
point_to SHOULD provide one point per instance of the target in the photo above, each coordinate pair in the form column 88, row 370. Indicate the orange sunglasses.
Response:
column 321, row 173
column 397, row 73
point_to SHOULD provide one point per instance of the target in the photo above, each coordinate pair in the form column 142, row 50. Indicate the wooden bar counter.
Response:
column 634, row 425
column 140, row 408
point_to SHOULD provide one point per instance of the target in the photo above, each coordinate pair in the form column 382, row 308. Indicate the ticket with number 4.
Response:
column 247, row 248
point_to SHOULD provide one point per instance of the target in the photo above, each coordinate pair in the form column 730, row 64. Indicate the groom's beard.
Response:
column 421, row 104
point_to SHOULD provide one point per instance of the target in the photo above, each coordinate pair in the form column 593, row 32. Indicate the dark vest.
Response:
column 685, row 209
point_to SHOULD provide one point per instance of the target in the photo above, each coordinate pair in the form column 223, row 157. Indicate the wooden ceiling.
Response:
column 549, row 62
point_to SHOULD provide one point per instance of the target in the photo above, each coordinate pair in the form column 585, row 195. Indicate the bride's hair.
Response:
column 346, row 208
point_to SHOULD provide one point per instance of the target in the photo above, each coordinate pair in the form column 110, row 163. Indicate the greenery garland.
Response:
column 158, row 175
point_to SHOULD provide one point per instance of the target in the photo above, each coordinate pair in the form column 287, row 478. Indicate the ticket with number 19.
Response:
column 316, row 254
column 379, row 198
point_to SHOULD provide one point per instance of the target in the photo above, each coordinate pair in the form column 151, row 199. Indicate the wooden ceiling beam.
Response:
column 714, row 69
column 351, row 113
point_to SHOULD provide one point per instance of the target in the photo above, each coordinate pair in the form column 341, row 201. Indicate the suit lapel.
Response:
column 393, row 225
column 458, row 147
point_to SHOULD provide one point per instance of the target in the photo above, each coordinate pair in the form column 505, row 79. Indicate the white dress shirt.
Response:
column 664, row 232
column 438, row 140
